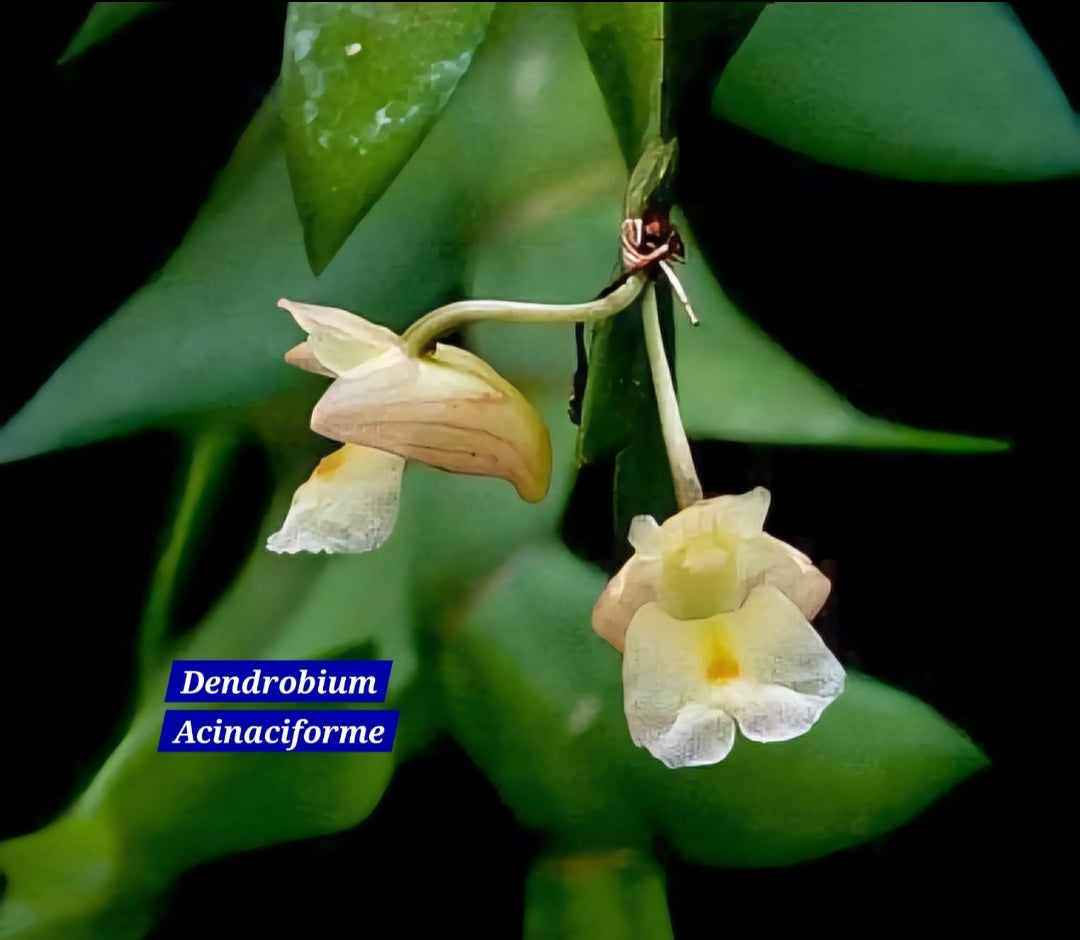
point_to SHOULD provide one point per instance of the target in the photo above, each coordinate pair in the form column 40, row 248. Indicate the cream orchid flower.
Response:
column 445, row 407
column 712, row 617
column 396, row 397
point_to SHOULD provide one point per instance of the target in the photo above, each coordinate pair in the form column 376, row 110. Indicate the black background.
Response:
column 940, row 306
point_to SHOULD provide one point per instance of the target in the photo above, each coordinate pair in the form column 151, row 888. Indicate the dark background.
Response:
column 939, row 306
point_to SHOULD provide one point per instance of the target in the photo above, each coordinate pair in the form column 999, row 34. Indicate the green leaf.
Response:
column 615, row 895
column 205, row 336
column 535, row 698
column 642, row 485
column 103, row 21
column 624, row 42
column 646, row 58
column 875, row 758
column 619, row 394
column 362, row 86
column 921, row 91
column 210, row 456
column 620, row 417
column 155, row 814
column 60, row 881
column 735, row 383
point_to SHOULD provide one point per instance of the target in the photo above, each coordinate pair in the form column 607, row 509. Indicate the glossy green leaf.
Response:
column 614, row 895
column 921, row 91
column 620, row 418
column 624, row 42
column 206, row 335
column 735, row 383
column 362, row 86
column 875, row 758
column 535, row 697
column 103, row 21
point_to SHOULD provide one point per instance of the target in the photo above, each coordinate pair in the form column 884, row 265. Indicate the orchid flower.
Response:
column 410, row 397
column 712, row 617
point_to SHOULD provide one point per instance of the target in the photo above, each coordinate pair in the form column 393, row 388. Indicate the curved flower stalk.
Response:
column 409, row 397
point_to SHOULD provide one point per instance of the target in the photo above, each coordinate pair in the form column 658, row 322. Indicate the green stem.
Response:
column 683, row 474
column 420, row 337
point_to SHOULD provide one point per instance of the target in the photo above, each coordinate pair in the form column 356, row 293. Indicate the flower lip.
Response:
column 349, row 504
column 689, row 683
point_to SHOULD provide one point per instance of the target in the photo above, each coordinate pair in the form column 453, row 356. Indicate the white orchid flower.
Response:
column 712, row 617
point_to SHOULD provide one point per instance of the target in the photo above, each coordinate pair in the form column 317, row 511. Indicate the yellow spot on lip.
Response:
column 330, row 464
column 723, row 666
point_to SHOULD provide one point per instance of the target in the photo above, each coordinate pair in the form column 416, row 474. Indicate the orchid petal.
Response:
column 775, row 645
column 624, row 595
column 340, row 340
column 769, row 713
column 303, row 357
column 645, row 536
column 666, row 692
column 448, row 409
column 349, row 504
column 771, row 561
